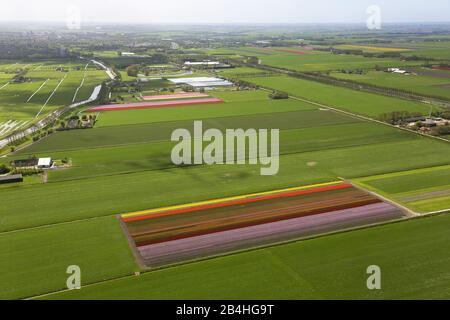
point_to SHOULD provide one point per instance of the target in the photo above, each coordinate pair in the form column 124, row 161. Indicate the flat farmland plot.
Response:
column 354, row 101
column 299, row 59
column 87, row 163
column 48, row 89
column 173, row 235
column 423, row 190
column 415, row 83
column 28, row 206
column 27, row 100
column 372, row 49
column 154, row 104
column 104, row 195
column 242, row 71
column 240, row 108
column 161, row 131
column 313, row 269
column 93, row 78
column 14, row 98
column 35, row 261
column 438, row 53
column 5, row 77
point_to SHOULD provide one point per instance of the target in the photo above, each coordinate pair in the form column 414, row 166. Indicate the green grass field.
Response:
column 422, row 190
column 241, row 71
column 418, row 84
column 124, row 165
column 318, row 60
column 46, row 90
column 88, row 163
column 437, row 49
column 363, row 103
column 242, row 104
column 412, row 256
column 35, row 261
column 161, row 131
column 28, row 206
column 133, row 161
column 439, row 54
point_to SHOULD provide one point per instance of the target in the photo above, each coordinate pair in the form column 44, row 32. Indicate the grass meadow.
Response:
column 412, row 256
column 416, row 83
column 311, row 60
column 47, row 90
column 422, row 190
column 123, row 165
column 359, row 102
column 35, row 261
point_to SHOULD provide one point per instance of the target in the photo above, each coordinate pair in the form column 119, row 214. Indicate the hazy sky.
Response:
column 224, row 11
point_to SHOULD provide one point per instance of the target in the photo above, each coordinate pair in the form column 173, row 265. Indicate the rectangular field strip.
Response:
column 156, row 104
column 181, row 233
column 186, row 95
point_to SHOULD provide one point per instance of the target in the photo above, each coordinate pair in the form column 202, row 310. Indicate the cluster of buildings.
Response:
column 37, row 163
column 427, row 122
column 30, row 163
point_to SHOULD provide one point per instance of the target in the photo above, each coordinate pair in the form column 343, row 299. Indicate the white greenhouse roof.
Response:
column 44, row 162
column 202, row 81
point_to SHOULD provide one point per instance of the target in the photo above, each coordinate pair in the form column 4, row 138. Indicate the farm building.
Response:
column 11, row 179
column 206, row 64
column 428, row 122
column 44, row 163
column 202, row 82
column 22, row 163
column 397, row 70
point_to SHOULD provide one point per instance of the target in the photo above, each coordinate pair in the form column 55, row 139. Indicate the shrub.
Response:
column 27, row 171
column 276, row 95
column 4, row 169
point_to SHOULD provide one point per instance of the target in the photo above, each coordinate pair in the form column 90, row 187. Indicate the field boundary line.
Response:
column 119, row 214
column 81, row 84
column 169, row 141
column 39, row 89
column 83, row 286
column 51, row 95
column 205, row 119
column 195, row 204
column 360, row 178
column 132, row 245
column 147, row 270
column 434, row 213
column 407, row 210
column 359, row 116
column 76, row 91
column 49, row 225
column 404, row 173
